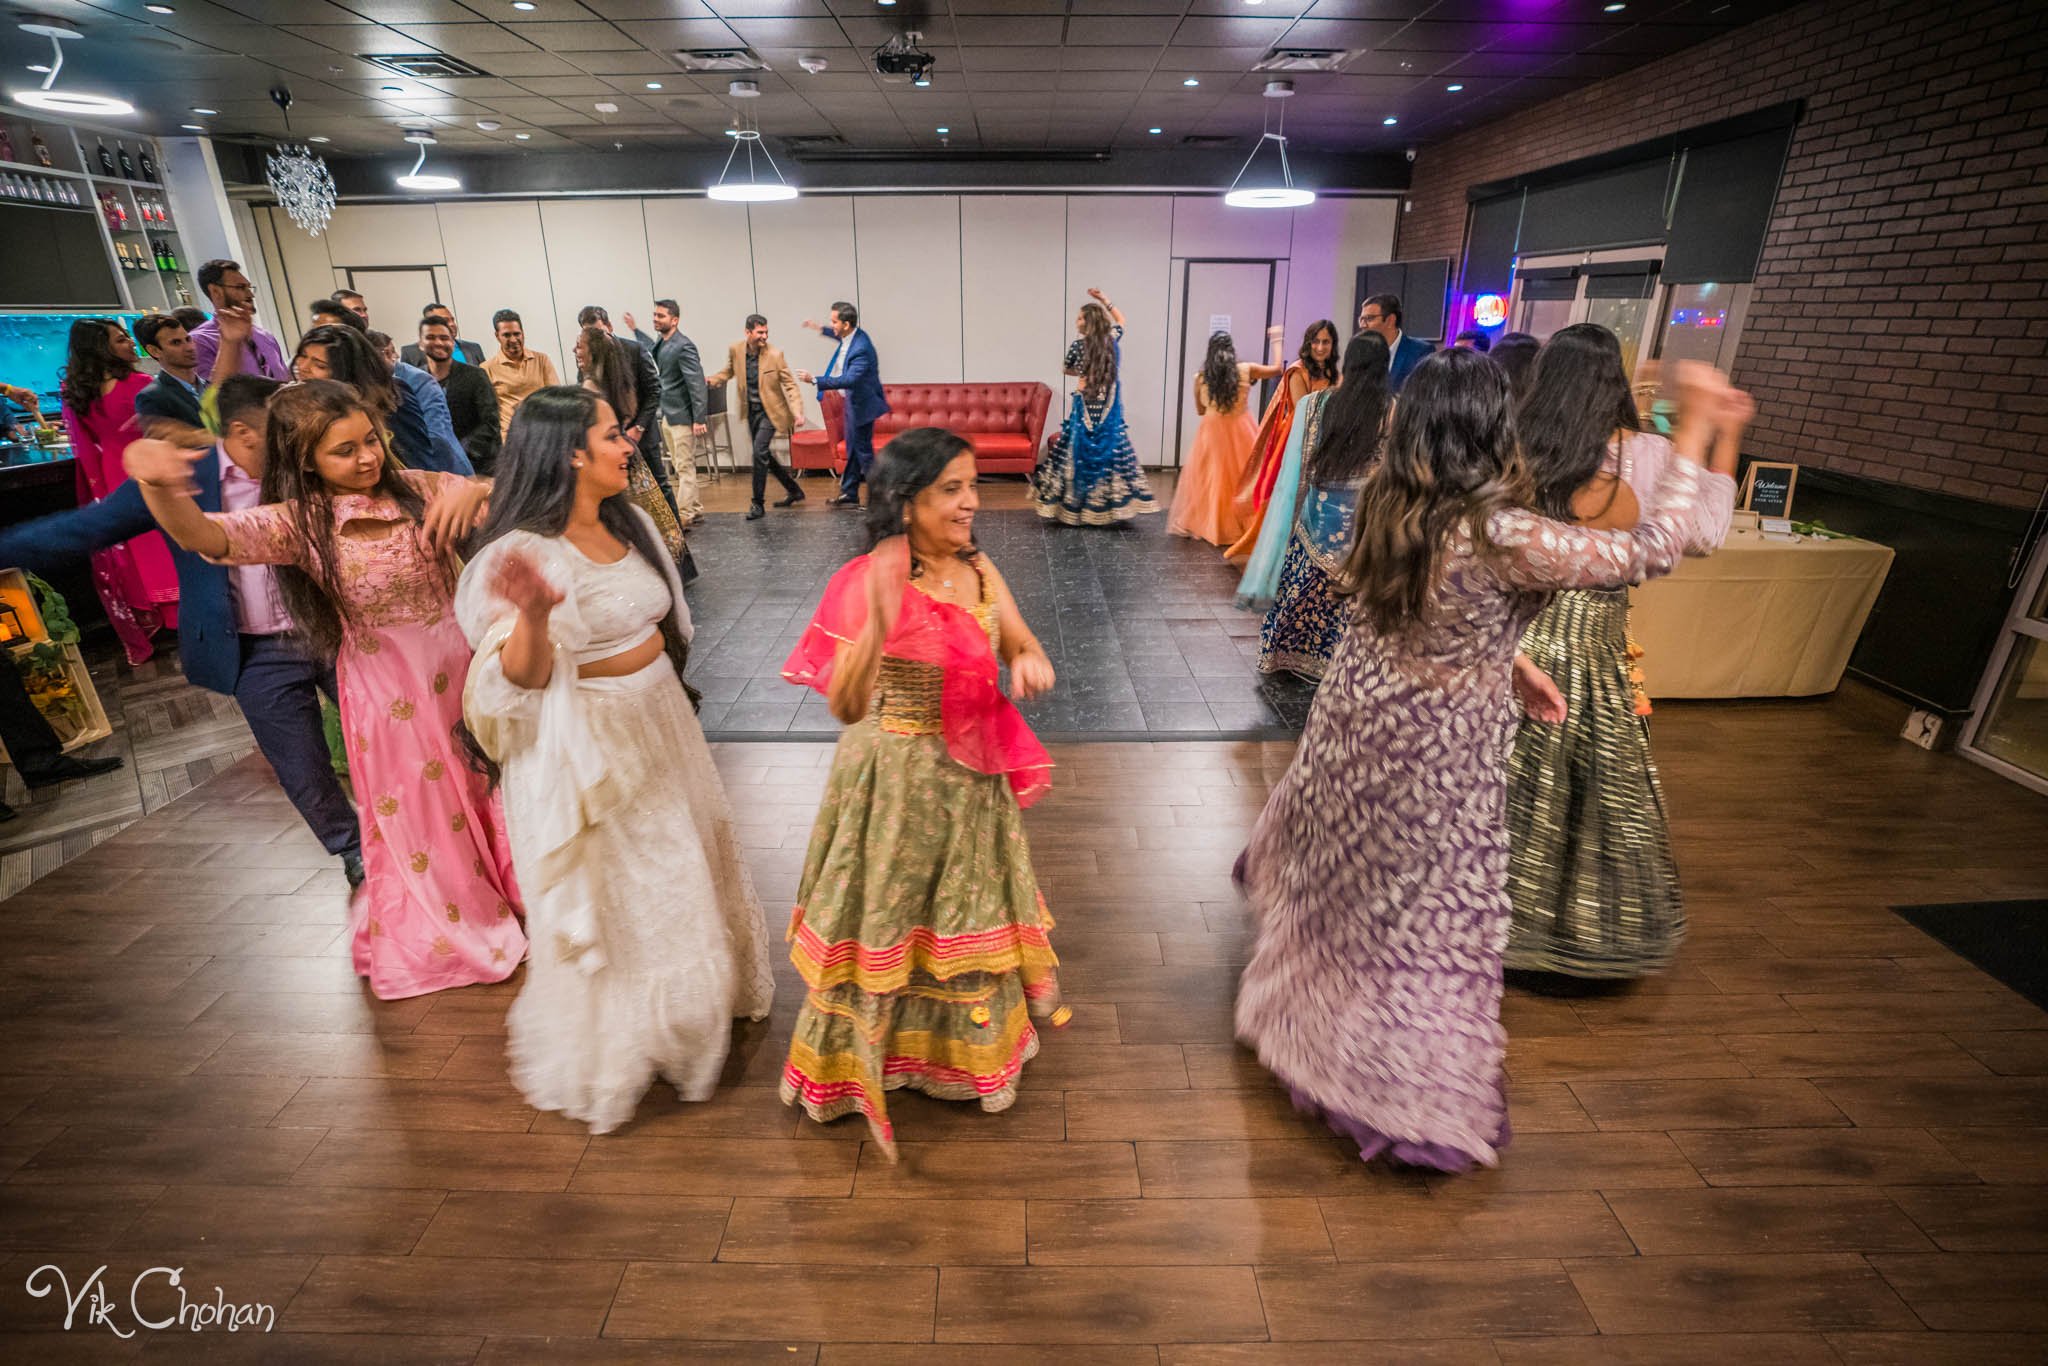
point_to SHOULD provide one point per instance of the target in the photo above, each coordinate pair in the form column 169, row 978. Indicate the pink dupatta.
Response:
column 983, row 730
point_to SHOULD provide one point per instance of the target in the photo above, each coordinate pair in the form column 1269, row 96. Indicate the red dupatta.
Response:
column 983, row 730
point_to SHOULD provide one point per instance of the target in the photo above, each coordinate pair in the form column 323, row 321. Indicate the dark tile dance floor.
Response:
column 1139, row 625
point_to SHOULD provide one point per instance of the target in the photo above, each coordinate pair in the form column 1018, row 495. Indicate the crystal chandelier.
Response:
column 301, row 181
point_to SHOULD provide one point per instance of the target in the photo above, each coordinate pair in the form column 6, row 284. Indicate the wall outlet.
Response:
column 1924, row 728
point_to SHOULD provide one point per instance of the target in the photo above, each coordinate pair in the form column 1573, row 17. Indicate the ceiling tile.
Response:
column 1231, row 32
column 464, row 39
column 1341, row 33
column 1123, row 31
column 670, row 34
column 1010, row 58
column 794, row 33
column 579, row 37
column 411, row 11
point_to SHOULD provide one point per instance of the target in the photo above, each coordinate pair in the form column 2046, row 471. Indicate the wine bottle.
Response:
column 127, row 162
column 172, row 252
column 106, row 158
column 121, row 255
column 148, row 165
column 39, row 147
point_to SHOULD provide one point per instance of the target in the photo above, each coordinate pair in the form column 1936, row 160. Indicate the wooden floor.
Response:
column 1821, row 1139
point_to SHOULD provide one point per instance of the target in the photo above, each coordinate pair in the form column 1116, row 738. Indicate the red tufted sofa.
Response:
column 1005, row 422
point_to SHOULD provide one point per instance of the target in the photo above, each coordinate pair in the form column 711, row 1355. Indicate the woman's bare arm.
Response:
column 164, row 474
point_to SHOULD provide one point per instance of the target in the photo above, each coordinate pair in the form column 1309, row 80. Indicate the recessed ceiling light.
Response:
column 489, row 125
column 922, row 82
column 732, row 132
column 885, row 3
column 1191, row 81
column 40, row 68
column 392, row 89
column 193, row 127
column 319, row 139
column 945, row 130
column 1454, row 87
column 1390, row 120
column 1616, row 9
column 522, row 5
column 1155, row 131
column 159, row 9
column 654, row 85
column 605, row 107
column 197, row 110
column 524, row 137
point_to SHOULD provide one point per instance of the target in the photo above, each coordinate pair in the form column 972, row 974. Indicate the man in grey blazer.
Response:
column 685, row 414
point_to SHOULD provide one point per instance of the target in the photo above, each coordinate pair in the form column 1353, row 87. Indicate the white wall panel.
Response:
column 385, row 235
column 701, row 255
column 1015, row 307
column 1365, row 237
column 908, row 253
column 597, row 254
column 302, row 268
column 499, row 260
column 1203, row 225
column 803, row 262
column 1122, row 245
column 252, row 230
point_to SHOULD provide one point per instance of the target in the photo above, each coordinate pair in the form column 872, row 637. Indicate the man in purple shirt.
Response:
column 230, row 342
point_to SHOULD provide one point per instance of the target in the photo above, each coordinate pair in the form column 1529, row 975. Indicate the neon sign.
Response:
column 1489, row 310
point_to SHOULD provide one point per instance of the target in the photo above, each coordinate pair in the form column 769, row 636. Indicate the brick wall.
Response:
column 1899, row 325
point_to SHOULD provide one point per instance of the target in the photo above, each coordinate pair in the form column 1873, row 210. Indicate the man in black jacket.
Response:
column 173, row 396
column 467, row 351
column 472, row 402
column 645, row 429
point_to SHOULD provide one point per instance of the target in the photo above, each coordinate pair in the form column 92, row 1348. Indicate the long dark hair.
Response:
column 1578, row 398
column 911, row 463
column 1219, row 372
column 300, row 416
column 1324, row 370
column 1351, row 429
column 1098, row 352
column 89, row 362
column 351, row 360
column 609, row 373
column 1451, row 458
column 533, row 488
column 1515, row 353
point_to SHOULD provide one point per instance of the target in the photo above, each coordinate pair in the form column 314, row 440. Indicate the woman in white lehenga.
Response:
column 646, row 937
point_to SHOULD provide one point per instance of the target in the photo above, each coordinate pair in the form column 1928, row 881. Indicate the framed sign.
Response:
column 1767, row 488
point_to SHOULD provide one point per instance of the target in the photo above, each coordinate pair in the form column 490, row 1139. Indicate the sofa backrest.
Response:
column 969, row 409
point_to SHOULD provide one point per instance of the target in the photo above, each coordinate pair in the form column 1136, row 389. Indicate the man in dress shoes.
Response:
column 685, row 410
column 857, row 372
column 1382, row 314
column 234, row 633
column 644, row 429
column 773, row 404
column 467, row 351
column 173, row 396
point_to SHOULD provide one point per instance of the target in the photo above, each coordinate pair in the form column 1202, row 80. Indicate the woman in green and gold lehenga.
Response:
column 1590, row 870
column 919, row 929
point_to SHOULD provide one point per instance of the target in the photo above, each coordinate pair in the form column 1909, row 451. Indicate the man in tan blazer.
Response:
column 773, row 405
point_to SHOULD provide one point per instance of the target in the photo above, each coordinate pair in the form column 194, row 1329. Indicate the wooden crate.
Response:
column 66, row 695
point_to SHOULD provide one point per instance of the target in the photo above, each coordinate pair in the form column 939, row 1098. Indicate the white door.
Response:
column 396, row 295
column 1237, row 297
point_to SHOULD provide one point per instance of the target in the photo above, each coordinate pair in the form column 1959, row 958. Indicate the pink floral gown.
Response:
column 439, row 907
column 137, row 581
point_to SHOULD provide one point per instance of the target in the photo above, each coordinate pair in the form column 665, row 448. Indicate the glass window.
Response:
column 2015, row 725
column 1541, row 317
column 1695, row 321
column 1624, row 318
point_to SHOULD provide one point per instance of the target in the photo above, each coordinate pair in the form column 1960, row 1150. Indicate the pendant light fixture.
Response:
column 752, row 188
column 301, row 181
column 1264, row 192
column 416, row 179
column 64, row 101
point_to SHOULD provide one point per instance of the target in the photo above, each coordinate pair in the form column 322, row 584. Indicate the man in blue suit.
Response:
column 855, row 370
column 1382, row 314
column 234, row 634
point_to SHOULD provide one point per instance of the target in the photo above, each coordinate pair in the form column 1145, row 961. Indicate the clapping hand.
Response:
column 162, row 465
column 519, row 582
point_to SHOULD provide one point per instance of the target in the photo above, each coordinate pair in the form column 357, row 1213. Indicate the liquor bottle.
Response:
column 40, row 148
column 148, row 164
column 172, row 252
column 142, row 207
column 121, row 255
column 6, row 145
column 127, row 162
column 106, row 158
column 7, row 189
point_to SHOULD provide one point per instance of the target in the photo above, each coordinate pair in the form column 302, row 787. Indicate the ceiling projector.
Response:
column 901, row 59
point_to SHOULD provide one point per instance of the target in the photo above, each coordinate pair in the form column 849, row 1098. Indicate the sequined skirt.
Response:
column 1306, row 620
column 1590, row 873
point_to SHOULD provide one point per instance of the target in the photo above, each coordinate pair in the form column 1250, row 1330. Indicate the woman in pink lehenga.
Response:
column 136, row 580
column 366, row 579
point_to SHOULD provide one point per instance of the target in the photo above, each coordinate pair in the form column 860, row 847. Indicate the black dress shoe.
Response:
column 352, row 869
column 844, row 500
column 796, row 496
column 70, row 766
column 756, row 513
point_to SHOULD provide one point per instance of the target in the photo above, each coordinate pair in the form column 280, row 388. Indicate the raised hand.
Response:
column 162, row 465
column 627, row 319
column 810, row 324
column 235, row 324
column 1098, row 296
column 519, row 582
column 802, row 376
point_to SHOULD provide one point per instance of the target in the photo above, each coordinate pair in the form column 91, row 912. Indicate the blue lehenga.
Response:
column 1089, row 475
column 1307, row 615
column 1261, row 581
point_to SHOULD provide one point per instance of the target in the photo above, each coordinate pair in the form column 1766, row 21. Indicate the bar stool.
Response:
column 719, row 436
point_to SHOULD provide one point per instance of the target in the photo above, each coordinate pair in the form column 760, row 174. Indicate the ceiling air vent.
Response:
column 720, row 59
column 1210, row 140
column 813, row 142
column 1305, row 59
column 424, row 66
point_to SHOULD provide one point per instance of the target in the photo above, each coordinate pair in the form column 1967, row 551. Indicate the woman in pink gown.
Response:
column 366, row 578
column 136, row 580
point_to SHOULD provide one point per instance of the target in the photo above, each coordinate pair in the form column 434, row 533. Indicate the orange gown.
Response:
column 1256, row 491
column 1205, row 498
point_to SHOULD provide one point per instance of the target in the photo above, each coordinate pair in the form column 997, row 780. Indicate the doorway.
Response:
column 1234, row 296
column 2008, row 730
column 396, row 295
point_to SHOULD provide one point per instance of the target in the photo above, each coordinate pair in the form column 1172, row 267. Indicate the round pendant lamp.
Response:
column 416, row 178
column 64, row 101
column 750, row 188
column 1265, row 190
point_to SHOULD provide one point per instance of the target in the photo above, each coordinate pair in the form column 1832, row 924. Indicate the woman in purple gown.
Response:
column 1377, row 874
